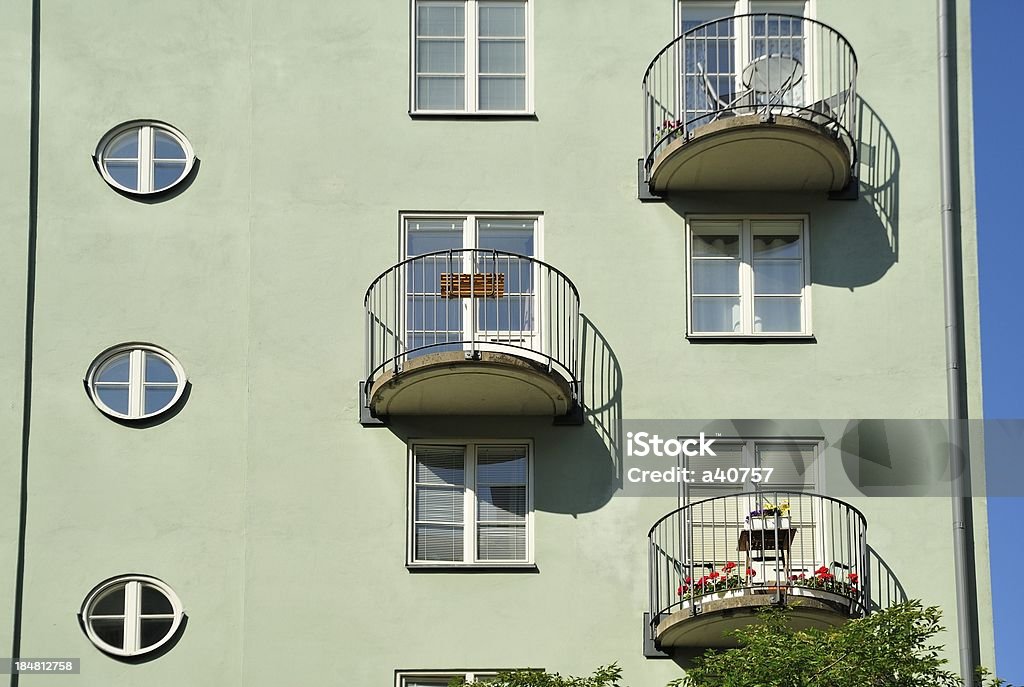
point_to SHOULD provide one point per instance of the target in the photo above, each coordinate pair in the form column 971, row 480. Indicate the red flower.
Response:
column 802, row 576
column 714, row 576
column 729, row 566
column 853, row 578
column 682, row 590
column 751, row 572
column 821, row 571
column 701, row 582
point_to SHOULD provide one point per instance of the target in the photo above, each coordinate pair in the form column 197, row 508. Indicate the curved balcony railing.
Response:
column 809, row 545
column 472, row 300
column 766, row 64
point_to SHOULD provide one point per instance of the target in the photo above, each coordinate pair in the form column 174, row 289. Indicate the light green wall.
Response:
column 276, row 517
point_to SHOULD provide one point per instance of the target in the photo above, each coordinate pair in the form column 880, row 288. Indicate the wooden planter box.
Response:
column 480, row 285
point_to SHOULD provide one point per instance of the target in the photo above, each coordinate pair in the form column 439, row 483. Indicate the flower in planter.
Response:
column 751, row 572
column 770, row 510
column 670, row 130
column 824, row 579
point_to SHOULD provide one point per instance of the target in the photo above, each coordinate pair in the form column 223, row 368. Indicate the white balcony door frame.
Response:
column 749, row 454
column 531, row 341
column 743, row 39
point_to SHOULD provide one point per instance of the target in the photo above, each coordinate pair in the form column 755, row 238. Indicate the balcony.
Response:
column 472, row 332
column 757, row 102
column 715, row 563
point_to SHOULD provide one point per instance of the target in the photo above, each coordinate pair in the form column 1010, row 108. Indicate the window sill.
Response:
column 472, row 568
column 453, row 115
column 752, row 338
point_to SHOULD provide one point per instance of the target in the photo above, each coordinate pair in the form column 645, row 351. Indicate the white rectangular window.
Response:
column 749, row 277
column 440, row 679
column 471, row 503
column 472, row 56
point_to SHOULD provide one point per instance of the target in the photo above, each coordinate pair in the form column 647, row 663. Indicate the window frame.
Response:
column 146, row 159
column 403, row 678
column 746, row 277
column 136, row 380
column 471, row 221
column 471, row 66
column 469, row 510
column 471, row 241
column 749, row 451
column 133, row 584
column 739, row 8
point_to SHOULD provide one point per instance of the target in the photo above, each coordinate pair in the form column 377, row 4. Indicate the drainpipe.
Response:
column 959, row 458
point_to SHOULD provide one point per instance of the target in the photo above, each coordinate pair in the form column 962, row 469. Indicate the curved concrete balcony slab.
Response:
column 452, row 383
column 752, row 153
column 707, row 622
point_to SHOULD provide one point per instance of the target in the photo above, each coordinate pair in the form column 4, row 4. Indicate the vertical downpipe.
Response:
column 30, row 308
column 959, row 459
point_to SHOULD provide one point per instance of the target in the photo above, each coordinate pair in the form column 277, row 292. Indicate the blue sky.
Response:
column 998, row 100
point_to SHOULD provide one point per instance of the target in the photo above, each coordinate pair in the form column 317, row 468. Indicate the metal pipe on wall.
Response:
column 959, row 457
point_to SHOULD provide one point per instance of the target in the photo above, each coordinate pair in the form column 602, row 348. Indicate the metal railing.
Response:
column 784, row 543
column 762, row 64
column 472, row 300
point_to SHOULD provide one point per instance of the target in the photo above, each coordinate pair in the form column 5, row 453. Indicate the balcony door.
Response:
column 718, row 524
column 743, row 65
column 471, row 283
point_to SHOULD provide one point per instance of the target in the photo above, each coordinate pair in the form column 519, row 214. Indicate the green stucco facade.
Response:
column 278, row 519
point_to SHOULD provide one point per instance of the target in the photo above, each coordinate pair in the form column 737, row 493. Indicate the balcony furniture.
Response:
column 772, row 76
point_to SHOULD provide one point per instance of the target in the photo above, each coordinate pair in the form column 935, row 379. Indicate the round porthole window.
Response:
column 135, row 381
column 131, row 615
column 144, row 157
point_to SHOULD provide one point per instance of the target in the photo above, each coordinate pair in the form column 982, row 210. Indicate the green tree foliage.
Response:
column 608, row 676
column 890, row 648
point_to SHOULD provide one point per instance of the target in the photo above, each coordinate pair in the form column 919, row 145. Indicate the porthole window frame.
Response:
column 146, row 160
column 131, row 618
column 136, row 382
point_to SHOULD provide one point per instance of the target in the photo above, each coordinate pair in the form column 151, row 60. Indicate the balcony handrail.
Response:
column 548, row 314
column 820, row 537
column 828, row 65
column 759, row 494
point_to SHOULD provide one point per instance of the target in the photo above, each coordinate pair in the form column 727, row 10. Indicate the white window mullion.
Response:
column 135, row 372
column 805, row 292
column 469, row 507
column 132, row 608
column 472, row 56
column 746, row 279
column 146, row 159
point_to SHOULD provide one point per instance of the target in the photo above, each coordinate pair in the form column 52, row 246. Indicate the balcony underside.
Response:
column 450, row 383
column 747, row 153
column 717, row 616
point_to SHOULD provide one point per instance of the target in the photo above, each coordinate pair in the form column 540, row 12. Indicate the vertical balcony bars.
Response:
column 816, row 545
column 755, row 64
column 472, row 300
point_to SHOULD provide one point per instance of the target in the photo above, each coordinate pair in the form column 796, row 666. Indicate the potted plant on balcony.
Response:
column 670, row 130
column 724, row 584
column 823, row 580
column 769, row 516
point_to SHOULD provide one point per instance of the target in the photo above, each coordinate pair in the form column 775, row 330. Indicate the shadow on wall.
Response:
column 601, row 379
column 886, row 589
column 577, row 468
column 879, row 171
column 853, row 243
